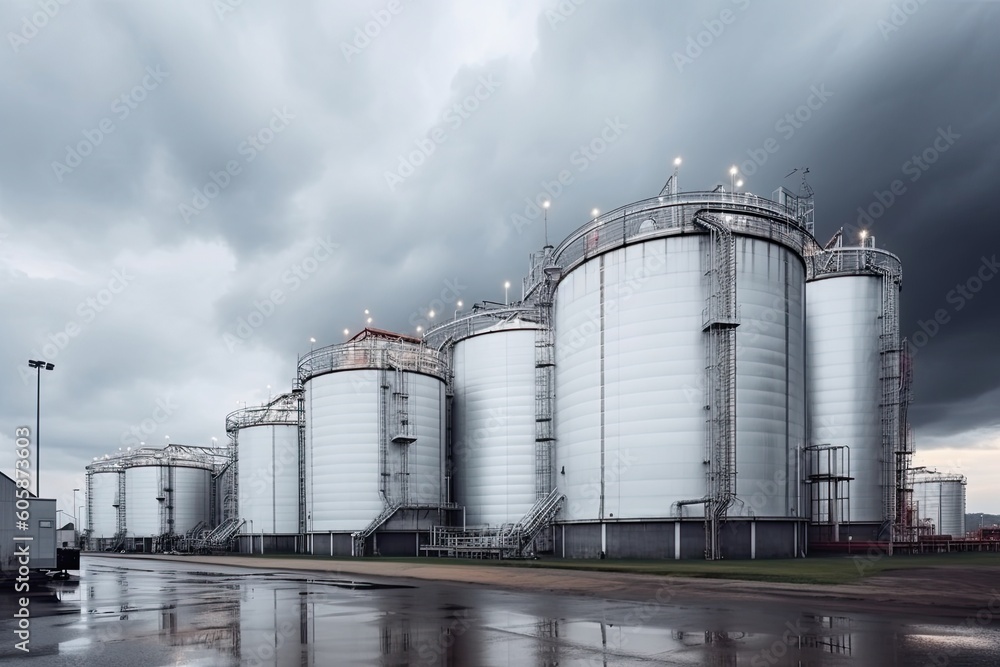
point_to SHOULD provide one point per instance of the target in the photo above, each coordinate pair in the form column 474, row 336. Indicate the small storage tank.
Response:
column 940, row 499
column 102, row 502
column 374, row 442
column 267, row 445
column 167, row 491
column 849, row 304
column 674, row 316
column 493, row 359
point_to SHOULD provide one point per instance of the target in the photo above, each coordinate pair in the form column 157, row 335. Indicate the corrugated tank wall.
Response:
column 843, row 328
column 343, row 473
column 103, row 503
column 630, row 380
column 269, row 477
column 494, row 425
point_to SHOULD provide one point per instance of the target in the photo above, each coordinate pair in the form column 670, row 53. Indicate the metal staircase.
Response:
column 121, row 531
column 359, row 538
column 221, row 536
column 300, row 405
column 118, row 542
column 545, row 362
column 510, row 540
column 720, row 319
column 894, row 449
column 906, row 527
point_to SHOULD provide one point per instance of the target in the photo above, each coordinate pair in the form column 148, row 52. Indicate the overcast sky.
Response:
column 189, row 191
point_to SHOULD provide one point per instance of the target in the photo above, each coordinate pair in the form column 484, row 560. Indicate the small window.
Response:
column 44, row 524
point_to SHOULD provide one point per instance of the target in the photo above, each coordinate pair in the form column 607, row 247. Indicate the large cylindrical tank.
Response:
column 632, row 350
column 940, row 499
column 843, row 325
column 494, row 414
column 166, row 493
column 846, row 311
column 102, row 495
column 374, row 429
column 267, row 442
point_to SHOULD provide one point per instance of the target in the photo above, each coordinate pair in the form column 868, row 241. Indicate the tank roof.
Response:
column 371, row 332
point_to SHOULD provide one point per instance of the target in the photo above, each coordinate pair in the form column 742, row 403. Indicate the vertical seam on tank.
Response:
column 600, row 513
column 274, row 481
column 787, row 387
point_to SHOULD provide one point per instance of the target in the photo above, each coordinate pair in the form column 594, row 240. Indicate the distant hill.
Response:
column 972, row 520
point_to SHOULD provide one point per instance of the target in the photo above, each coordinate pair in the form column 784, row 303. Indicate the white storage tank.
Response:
column 374, row 432
column 846, row 315
column 267, row 444
column 940, row 499
column 493, row 361
column 631, row 388
column 167, row 491
column 102, row 501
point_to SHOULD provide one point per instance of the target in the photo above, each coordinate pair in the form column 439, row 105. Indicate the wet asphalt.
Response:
column 125, row 612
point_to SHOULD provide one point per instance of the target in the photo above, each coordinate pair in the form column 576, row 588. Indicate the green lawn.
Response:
column 813, row 570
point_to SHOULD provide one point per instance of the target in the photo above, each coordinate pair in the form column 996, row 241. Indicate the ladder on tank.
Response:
column 402, row 433
column 544, row 398
column 120, row 531
column 890, row 402
column 720, row 319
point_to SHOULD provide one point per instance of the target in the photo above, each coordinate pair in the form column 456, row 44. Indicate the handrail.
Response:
column 282, row 411
column 666, row 215
column 373, row 353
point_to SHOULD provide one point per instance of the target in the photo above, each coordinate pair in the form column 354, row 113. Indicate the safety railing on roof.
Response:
column 745, row 213
column 373, row 353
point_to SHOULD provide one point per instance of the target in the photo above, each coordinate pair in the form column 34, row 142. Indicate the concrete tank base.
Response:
column 741, row 539
column 382, row 543
column 846, row 532
column 267, row 544
column 402, row 535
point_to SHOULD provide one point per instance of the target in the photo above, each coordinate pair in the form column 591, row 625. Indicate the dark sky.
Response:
column 189, row 191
